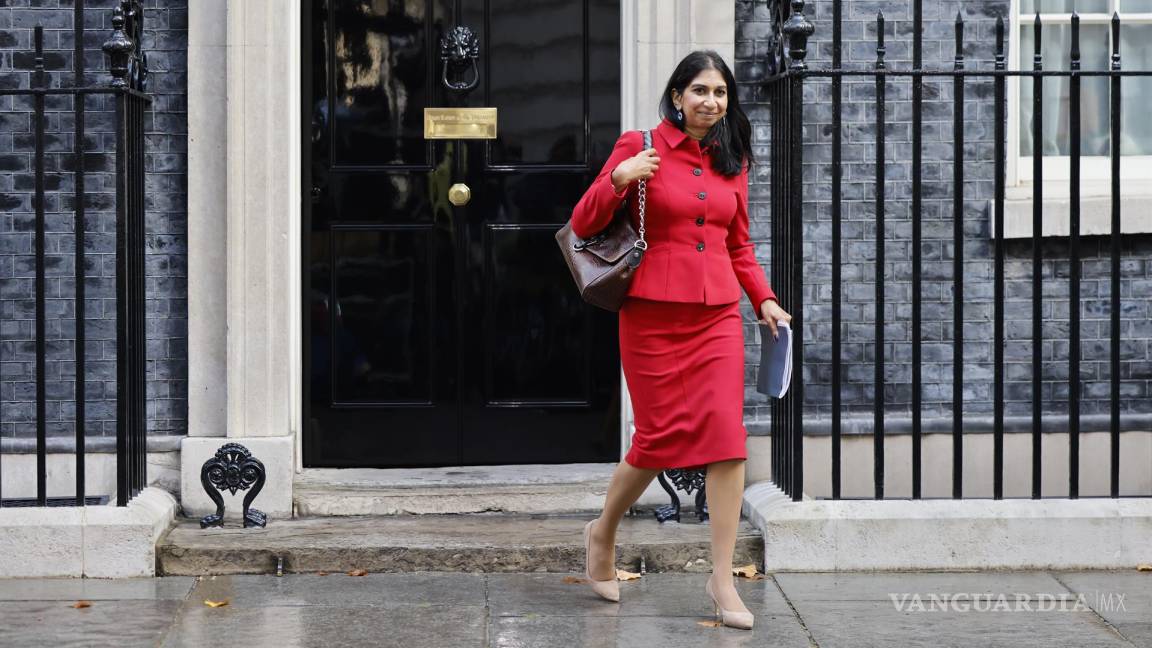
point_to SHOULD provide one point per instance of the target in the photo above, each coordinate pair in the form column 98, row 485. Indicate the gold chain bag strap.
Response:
column 603, row 265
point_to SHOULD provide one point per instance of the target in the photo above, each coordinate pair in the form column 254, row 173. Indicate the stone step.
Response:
column 484, row 542
column 536, row 488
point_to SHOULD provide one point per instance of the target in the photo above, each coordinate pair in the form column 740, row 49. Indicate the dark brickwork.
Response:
column 859, row 248
column 166, row 161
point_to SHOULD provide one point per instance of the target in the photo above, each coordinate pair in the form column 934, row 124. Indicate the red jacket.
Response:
column 696, row 223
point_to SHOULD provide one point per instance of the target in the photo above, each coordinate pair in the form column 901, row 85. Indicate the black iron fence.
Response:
column 787, row 73
column 126, row 92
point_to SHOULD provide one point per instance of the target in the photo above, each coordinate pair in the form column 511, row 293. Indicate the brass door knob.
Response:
column 459, row 194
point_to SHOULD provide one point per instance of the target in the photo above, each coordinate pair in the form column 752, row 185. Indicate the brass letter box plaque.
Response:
column 459, row 123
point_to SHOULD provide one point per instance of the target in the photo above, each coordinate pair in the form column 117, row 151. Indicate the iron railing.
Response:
column 128, row 67
column 787, row 72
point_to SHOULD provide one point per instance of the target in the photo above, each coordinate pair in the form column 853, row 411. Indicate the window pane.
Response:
column 1064, row 6
column 1135, row 92
column 1136, row 6
column 1057, row 40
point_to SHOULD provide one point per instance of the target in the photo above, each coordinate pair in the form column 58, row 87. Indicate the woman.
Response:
column 681, row 333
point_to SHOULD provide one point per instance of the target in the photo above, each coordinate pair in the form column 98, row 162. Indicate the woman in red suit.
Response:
column 681, row 332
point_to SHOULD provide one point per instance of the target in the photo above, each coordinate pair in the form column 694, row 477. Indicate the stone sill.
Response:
column 1095, row 210
column 967, row 534
column 92, row 444
column 87, row 541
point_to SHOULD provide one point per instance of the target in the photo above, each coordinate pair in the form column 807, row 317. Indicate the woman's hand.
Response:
column 641, row 166
column 770, row 312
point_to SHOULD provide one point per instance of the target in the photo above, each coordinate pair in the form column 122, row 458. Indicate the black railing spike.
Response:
column 39, row 246
column 1075, row 142
column 118, row 47
column 999, row 38
column 1114, row 110
column 880, row 50
column 1115, row 41
column 959, row 40
column 38, row 66
column 1037, row 59
column 1075, row 41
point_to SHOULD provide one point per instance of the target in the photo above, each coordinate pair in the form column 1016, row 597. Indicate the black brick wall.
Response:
column 165, row 41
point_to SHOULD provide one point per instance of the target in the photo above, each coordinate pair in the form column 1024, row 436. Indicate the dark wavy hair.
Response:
column 731, row 136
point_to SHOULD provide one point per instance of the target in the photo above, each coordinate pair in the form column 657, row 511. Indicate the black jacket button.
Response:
column 701, row 195
column 699, row 247
column 697, row 172
column 700, row 221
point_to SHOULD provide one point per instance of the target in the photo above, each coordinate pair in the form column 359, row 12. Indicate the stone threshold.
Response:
column 492, row 542
column 521, row 489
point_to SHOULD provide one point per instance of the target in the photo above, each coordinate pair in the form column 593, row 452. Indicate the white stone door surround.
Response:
column 244, row 208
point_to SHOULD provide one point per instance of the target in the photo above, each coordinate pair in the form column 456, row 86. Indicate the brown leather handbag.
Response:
column 604, row 264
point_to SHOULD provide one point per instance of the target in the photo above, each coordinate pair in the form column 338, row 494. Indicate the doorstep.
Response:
column 482, row 542
column 530, row 488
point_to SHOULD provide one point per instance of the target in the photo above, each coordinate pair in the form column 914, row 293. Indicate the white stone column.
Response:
column 654, row 36
column 254, row 277
column 207, row 218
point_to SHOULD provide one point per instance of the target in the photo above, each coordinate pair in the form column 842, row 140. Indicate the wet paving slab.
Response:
column 666, row 610
column 995, row 608
column 90, row 612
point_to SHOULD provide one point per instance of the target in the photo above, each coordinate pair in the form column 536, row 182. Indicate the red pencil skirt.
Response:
column 684, row 365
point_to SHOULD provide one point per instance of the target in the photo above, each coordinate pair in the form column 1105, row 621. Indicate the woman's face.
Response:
column 704, row 101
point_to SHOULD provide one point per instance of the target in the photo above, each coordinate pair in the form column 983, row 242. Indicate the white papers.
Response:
column 775, row 373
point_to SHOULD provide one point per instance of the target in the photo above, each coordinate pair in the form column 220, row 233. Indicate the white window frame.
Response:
column 1095, row 171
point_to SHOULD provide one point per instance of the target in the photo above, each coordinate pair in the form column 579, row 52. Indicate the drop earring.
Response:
column 679, row 115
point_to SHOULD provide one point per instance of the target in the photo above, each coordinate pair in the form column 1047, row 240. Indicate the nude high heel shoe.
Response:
column 730, row 618
column 608, row 589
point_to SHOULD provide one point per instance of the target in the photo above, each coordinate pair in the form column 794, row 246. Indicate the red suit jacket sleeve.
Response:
column 743, row 253
column 600, row 201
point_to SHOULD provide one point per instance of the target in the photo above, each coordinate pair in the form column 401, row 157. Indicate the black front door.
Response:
column 437, row 334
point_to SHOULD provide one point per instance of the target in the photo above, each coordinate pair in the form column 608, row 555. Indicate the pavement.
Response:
column 667, row 610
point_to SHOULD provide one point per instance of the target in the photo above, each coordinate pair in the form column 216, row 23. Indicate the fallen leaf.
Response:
column 747, row 571
column 625, row 575
column 1144, row 567
column 574, row 579
column 321, row 573
column 215, row 604
column 82, row 604
column 710, row 624
column 358, row 572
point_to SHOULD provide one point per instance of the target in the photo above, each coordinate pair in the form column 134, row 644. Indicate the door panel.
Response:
column 445, row 335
